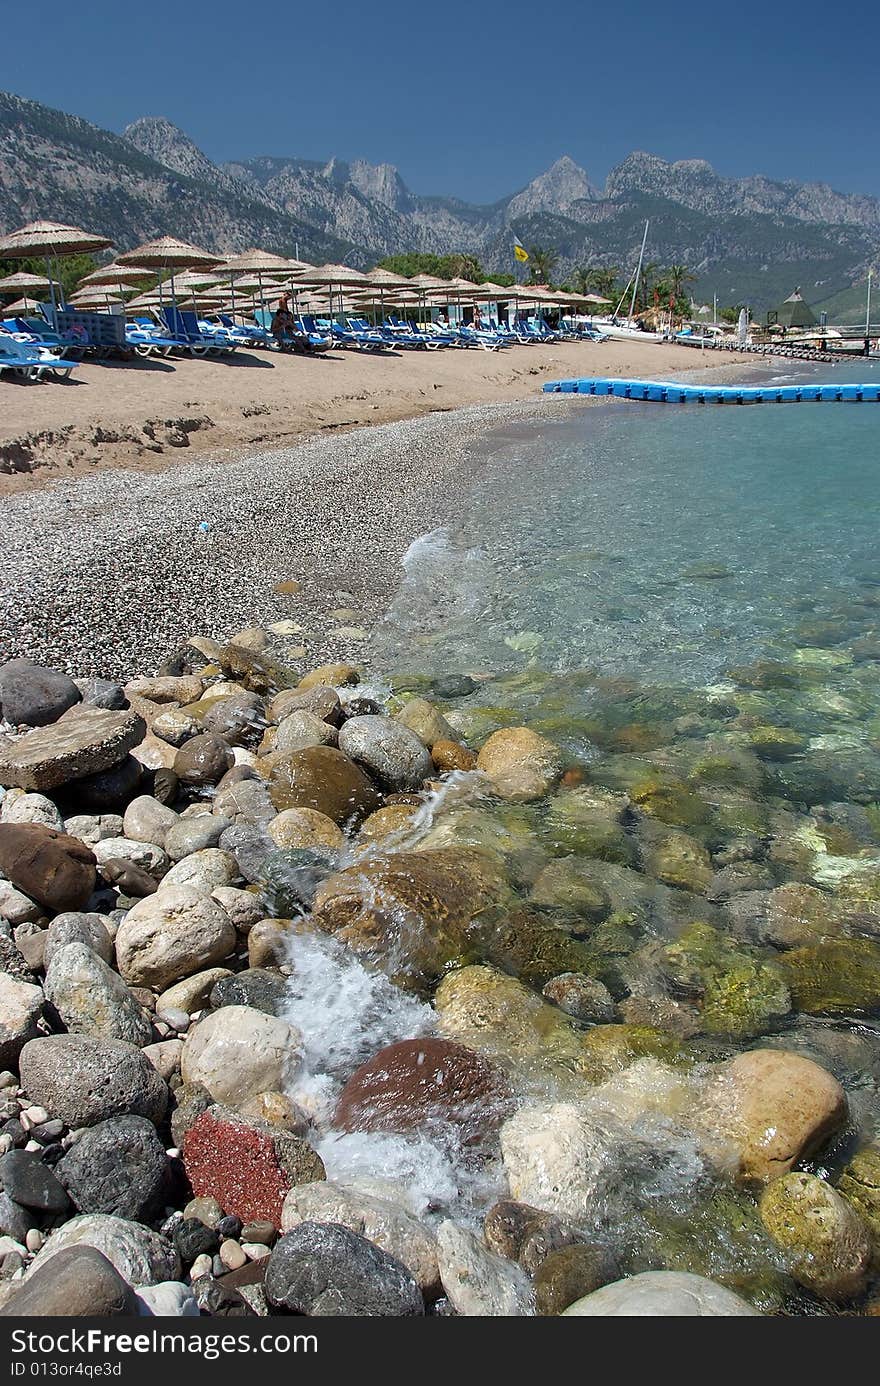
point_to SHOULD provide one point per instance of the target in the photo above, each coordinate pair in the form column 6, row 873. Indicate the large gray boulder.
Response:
column 84, row 1080
column 392, row 752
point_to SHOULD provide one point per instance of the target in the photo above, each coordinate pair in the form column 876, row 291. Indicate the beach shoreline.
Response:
column 108, row 571
column 153, row 415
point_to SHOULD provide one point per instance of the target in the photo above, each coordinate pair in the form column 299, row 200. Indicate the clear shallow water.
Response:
column 687, row 601
column 668, row 542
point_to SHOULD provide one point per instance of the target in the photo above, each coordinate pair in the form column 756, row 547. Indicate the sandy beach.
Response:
column 148, row 415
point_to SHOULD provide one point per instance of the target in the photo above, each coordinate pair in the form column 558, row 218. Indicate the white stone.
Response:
column 238, row 1051
column 662, row 1294
column 21, row 1005
column 17, row 908
column 477, row 1282
column 92, row 999
column 205, row 870
column 146, row 820
column 169, row 1300
column 18, row 807
column 245, row 909
column 172, row 934
column 147, row 855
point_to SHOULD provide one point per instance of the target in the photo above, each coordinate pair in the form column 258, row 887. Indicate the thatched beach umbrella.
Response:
column 21, row 305
column 48, row 240
column 333, row 277
column 117, row 274
column 169, row 253
column 22, row 281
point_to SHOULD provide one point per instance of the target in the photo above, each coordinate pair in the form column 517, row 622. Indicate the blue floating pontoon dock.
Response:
column 668, row 392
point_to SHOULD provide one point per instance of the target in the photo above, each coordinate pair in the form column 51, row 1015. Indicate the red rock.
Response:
column 248, row 1166
column 423, row 1082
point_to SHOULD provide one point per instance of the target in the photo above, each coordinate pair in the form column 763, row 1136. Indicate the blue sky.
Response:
column 474, row 99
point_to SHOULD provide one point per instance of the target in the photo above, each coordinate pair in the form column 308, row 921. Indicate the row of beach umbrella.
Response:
column 202, row 279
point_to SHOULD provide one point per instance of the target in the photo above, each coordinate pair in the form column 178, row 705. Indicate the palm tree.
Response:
column 679, row 276
column 542, row 263
column 598, row 279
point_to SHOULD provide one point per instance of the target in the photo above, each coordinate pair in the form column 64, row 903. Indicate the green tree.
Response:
column 731, row 312
column 458, row 265
column 542, row 263
column 598, row 279
column 67, row 271
column 680, row 277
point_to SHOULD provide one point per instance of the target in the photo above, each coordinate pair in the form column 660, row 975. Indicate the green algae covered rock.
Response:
column 612, row 1048
column 825, row 1240
column 834, row 977
column 525, row 944
column 723, row 1238
column 568, row 884
column 672, row 801
column 678, row 860
column 859, row 1184
column 741, row 996
column 777, row 743
column 589, row 823
column 498, row 1016
column 508, row 834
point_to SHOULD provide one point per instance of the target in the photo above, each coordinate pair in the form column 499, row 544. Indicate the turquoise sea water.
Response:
column 666, row 542
column 686, row 601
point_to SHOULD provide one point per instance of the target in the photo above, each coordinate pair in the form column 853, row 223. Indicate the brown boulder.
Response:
column 413, row 913
column 322, row 778
column 55, row 870
column 203, row 760
column 769, row 1109
column 450, row 755
column 521, row 764
column 418, row 1084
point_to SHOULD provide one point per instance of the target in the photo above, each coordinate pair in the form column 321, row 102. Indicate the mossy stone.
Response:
column 777, row 743
column 835, row 977
column 723, row 1238
column 741, row 996
column 612, row 1048
column 859, row 1184
column 827, row 1243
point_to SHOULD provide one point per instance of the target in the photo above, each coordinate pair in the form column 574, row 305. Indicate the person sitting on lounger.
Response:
column 283, row 321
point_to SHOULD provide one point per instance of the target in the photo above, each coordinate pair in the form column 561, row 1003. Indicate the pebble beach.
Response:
column 338, row 987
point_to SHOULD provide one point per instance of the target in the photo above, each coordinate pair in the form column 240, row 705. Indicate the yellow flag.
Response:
column 520, row 251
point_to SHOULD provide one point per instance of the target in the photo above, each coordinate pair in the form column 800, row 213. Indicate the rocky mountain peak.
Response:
column 168, row 145
column 563, row 184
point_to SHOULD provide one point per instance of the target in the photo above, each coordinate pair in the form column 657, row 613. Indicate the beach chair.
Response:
column 31, row 361
column 254, row 335
column 183, row 328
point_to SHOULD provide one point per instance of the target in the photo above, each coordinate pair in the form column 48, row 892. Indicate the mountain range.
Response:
column 746, row 239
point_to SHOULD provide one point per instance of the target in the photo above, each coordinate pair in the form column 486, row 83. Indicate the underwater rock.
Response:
column 588, row 822
column 859, row 1184
column 426, row 1085
column 581, row 997
column 564, row 885
column 738, row 995
column 521, row 765
column 828, row 1247
column 412, row 913
column 511, row 838
column 836, row 977
column 675, row 858
column 322, row 778
column 768, row 1109
column 496, row 1015
column 304, row 827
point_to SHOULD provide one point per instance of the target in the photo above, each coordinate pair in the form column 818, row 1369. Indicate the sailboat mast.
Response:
column 632, row 304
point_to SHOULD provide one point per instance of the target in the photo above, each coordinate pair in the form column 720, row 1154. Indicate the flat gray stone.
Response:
column 84, row 741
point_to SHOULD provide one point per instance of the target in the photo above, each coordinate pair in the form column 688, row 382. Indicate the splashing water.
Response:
column 443, row 584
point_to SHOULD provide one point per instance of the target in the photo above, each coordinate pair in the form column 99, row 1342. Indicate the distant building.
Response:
column 794, row 312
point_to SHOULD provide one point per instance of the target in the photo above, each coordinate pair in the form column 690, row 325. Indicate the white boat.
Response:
column 629, row 328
